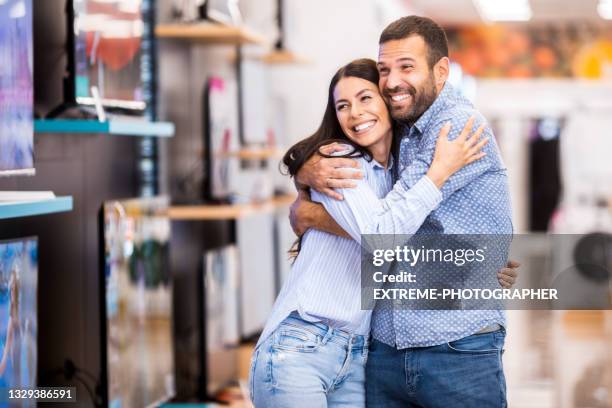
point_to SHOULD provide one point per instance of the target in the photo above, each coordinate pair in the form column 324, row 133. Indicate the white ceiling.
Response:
column 464, row 11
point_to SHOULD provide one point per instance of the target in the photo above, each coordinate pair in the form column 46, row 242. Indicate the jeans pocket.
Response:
column 290, row 338
column 478, row 344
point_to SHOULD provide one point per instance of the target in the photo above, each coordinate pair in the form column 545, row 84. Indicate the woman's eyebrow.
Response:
column 357, row 95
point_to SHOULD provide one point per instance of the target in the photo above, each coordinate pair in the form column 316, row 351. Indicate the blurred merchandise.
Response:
column 18, row 315
column 16, row 88
column 220, row 318
column 219, row 138
column 544, row 171
column 138, row 355
column 257, row 271
column 556, row 49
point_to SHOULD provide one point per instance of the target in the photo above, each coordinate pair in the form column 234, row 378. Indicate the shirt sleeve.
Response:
column 420, row 165
column 362, row 212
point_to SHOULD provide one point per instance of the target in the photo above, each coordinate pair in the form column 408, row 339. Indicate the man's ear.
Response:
column 441, row 71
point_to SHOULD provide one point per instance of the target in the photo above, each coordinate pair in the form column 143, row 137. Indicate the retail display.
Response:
column 138, row 360
column 219, row 137
column 257, row 272
column 222, row 11
column 220, row 317
column 16, row 88
column 18, row 315
column 108, row 52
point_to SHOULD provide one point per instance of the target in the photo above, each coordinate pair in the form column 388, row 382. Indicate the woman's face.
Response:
column 361, row 111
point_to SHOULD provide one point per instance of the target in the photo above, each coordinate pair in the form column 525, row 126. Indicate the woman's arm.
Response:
column 362, row 212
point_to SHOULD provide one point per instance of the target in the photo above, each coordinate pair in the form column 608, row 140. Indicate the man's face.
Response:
column 406, row 81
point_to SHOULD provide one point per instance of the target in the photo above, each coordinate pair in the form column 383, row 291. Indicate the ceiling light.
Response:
column 604, row 8
column 506, row 10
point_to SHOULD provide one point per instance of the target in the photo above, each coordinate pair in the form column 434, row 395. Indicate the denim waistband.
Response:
column 321, row 329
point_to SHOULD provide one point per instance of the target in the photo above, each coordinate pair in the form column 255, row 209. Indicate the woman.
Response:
column 313, row 350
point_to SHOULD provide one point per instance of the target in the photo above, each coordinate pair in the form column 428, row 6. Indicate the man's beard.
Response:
column 421, row 101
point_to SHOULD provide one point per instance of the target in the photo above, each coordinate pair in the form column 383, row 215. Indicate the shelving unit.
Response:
column 278, row 57
column 209, row 33
column 111, row 127
column 31, row 208
column 254, row 154
column 229, row 211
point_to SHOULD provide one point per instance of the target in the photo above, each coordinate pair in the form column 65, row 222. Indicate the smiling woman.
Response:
column 363, row 116
column 330, row 128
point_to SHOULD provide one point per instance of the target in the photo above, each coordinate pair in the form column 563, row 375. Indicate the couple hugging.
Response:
column 398, row 151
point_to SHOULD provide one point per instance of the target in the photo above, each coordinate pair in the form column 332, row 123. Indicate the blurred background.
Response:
column 156, row 284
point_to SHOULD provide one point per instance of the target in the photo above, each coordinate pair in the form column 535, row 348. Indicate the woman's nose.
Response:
column 356, row 111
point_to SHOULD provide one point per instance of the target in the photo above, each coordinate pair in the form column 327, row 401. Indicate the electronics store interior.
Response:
column 145, row 228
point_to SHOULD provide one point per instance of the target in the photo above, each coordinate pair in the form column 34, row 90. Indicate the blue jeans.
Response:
column 463, row 373
column 311, row 365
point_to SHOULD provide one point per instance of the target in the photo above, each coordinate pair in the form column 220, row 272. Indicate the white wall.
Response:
column 330, row 34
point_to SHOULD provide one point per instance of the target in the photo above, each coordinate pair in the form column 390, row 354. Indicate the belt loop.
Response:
column 351, row 341
column 328, row 335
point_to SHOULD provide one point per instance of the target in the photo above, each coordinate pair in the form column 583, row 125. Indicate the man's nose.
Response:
column 393, row 80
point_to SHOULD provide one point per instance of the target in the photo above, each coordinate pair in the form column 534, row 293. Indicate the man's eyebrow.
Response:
column 405, row 59
column 410, row 59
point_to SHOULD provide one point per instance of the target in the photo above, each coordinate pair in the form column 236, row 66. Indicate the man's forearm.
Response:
column 321, row 220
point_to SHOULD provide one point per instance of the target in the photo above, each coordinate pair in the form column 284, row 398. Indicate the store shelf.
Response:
column 254, row 154
column 210, row 33
column 112, row 127
column 278, row 57
column 31, row 208
column 229, row 211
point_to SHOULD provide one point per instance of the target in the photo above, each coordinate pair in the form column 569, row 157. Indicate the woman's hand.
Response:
column 507, row 276
column 451, row 156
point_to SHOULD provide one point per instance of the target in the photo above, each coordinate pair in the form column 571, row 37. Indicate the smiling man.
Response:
column 427, row 358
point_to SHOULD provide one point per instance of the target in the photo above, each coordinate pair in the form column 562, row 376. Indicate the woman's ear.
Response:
column 441, row 71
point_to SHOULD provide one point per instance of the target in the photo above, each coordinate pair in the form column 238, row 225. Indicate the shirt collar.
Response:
column 377, row 165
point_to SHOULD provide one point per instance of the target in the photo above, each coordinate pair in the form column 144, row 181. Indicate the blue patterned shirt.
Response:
column 476, row 201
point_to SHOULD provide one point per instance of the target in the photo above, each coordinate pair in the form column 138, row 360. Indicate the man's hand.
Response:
column 325, row 174
column 507, row 276
column 305, row 214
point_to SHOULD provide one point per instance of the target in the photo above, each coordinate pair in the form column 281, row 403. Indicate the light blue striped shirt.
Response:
column 324, row 284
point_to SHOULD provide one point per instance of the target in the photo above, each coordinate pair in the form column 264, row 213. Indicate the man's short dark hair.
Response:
column 429, row 30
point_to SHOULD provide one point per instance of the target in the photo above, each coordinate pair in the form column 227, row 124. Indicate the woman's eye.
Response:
column 405, row 67
column 365, row 98
column 340, row 107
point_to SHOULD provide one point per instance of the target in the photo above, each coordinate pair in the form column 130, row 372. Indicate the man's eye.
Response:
column 383, row 71
column 405, row 67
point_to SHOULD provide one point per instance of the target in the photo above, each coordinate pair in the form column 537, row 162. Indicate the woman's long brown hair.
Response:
column 329, row 130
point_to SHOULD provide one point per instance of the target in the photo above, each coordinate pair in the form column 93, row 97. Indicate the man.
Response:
column 427, row 358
